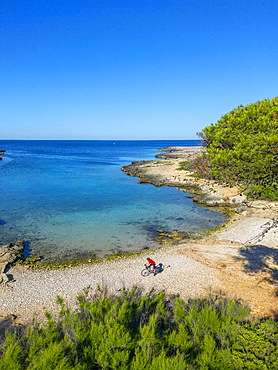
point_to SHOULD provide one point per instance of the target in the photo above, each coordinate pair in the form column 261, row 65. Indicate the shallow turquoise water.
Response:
column 70, row 198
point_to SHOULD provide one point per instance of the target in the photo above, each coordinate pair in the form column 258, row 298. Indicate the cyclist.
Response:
column 151, row 264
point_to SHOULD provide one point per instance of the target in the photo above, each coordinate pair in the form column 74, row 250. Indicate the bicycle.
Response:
column 149, row 270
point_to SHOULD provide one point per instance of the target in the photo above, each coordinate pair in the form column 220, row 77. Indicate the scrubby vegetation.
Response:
column 242, row 149
column 131, row 331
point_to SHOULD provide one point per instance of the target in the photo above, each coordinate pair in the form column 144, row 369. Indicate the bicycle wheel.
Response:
column 145, row 272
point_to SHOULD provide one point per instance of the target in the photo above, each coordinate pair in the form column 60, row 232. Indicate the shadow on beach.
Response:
column 261, row 259
column 8, row 323
column 159, row 268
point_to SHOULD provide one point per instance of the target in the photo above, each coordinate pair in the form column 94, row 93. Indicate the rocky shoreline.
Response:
column 9, row 255
column 166, row 172
column 240, row 260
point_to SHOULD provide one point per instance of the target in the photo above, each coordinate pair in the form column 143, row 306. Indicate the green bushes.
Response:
column 132, row 331
column 256, row 346
column 242, row 149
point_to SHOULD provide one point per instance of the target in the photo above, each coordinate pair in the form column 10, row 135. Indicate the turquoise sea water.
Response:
column 68, row 199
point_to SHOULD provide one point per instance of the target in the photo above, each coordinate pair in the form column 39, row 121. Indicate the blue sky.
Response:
column 132, row 69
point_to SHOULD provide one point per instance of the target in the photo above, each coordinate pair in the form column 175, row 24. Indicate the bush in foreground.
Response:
column 132, row 331
column 242, row 149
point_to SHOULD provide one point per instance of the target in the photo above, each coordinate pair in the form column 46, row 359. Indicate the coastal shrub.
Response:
column 135, row 331
column 256, row 346
column 242, row 149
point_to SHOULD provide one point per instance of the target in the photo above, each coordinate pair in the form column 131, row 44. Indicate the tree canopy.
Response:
column 242, row 149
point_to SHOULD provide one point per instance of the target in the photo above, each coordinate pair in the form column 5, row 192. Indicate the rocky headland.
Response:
column 167, row 172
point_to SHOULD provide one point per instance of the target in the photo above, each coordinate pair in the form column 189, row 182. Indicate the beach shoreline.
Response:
column 240, row 260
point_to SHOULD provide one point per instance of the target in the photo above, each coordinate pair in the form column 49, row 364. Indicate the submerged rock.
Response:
column 173, row 237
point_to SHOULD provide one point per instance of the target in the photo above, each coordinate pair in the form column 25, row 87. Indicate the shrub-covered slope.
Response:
column 145, row 332
column 242, row 149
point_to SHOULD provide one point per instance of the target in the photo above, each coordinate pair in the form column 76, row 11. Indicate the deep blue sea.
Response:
column 70, row 199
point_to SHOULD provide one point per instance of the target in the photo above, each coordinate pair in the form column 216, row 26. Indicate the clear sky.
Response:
column 132, row 69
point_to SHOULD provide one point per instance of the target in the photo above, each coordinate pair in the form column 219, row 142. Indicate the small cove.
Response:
column 70, row 199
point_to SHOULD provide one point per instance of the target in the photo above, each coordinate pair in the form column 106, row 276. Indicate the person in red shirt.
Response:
column 151, row 264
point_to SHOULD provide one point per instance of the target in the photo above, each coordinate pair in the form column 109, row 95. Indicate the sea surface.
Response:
column 70, row 199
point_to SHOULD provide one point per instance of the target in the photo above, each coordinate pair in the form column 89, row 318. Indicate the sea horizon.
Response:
column 161, row 140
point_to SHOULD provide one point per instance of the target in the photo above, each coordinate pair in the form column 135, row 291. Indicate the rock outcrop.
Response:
column 9, row 254
column 1, row 153
column 168, row 172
